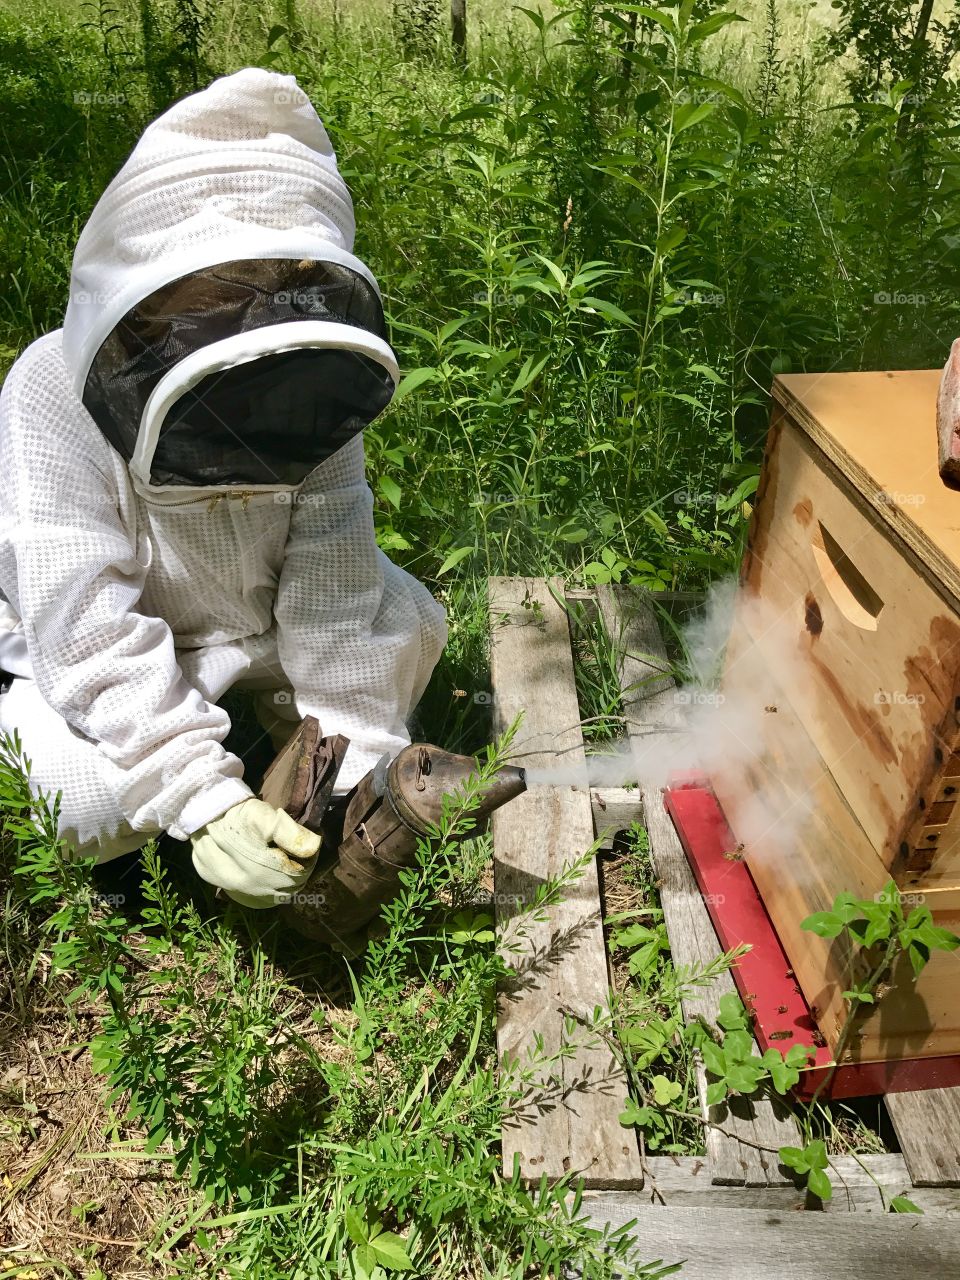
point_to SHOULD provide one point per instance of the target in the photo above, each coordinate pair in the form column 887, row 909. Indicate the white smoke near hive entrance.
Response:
column 730, row 720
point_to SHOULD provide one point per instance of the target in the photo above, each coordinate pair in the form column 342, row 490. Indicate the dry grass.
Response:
column 69, row 1198
column 76, row 1197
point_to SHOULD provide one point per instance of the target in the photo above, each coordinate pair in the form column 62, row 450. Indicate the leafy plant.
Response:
column 811, row 1162
column 881, row 931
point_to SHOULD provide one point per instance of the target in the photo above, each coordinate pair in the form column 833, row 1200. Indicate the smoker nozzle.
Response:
column 421, row 775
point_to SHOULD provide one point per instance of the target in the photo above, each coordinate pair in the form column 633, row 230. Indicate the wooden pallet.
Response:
column 560, row 976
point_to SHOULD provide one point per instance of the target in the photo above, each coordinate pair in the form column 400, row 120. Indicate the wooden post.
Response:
column 458, row 24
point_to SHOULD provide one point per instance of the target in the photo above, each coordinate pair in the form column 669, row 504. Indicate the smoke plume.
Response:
column 728, row 720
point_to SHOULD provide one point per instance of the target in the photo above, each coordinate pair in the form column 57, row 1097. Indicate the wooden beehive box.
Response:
column 845, row 649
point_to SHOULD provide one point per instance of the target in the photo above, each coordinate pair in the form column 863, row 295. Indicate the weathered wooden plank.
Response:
column 857, row 1181
column 614, row 809
column 560, row 963
column 649, row 701
column 927, row 1125
column 755, row 1244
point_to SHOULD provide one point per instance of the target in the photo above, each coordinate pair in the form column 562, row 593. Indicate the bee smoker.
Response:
column 390, row 810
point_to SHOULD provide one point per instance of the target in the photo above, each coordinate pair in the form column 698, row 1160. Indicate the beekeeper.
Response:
column 183, row 505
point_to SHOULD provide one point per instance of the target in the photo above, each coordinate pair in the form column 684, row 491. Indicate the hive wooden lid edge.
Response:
column 879, row 431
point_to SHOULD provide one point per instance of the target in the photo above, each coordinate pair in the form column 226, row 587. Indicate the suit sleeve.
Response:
column 73, row 568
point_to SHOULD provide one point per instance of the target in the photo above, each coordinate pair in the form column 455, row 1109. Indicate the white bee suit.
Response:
column 134, row 595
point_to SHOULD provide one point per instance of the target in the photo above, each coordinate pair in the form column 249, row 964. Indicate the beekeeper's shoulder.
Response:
column 37, row 399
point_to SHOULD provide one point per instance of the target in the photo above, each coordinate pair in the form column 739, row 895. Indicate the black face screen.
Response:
column 269, row 421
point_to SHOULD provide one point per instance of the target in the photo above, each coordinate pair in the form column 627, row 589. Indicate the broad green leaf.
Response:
column 652, row 15
column 632, row 1114
column 819, row 1184
column 665, row 1090
column 938, row 939
column 700, row 30
column 711, row 374
column 365, row 1260
column 713, row 1058
column 784, row 1077
column 690, row 114
column 391, row 1251
column 356, row 1226
column 918, row 956
column 390, row 490
column 716, row 1093
column 846, row 907
column 745, row 1077
column 453, row 559
column 645, row 102
column 608, row 309
column 876, row 931
column 798, row 1055
column 671, row 239
column 529, row 372
column 656, row 522
column 816, row 1153
column 554, row 270
column 415, row 378
column 824, row 924
column 794, row 1158
column 730, row 1012
column 633, row 936
column 860, row 997
column 643, row 962
column 900, row 1204
column 738, row 1045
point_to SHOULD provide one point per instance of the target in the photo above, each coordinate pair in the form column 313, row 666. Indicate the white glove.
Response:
column 255, row 853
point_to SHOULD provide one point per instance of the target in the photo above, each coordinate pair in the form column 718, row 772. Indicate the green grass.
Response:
column 325, row 1132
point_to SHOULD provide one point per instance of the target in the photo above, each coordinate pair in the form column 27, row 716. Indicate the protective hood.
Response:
column 220, row 330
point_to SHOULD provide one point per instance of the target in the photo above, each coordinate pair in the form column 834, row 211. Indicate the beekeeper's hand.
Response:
column 255, row 853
